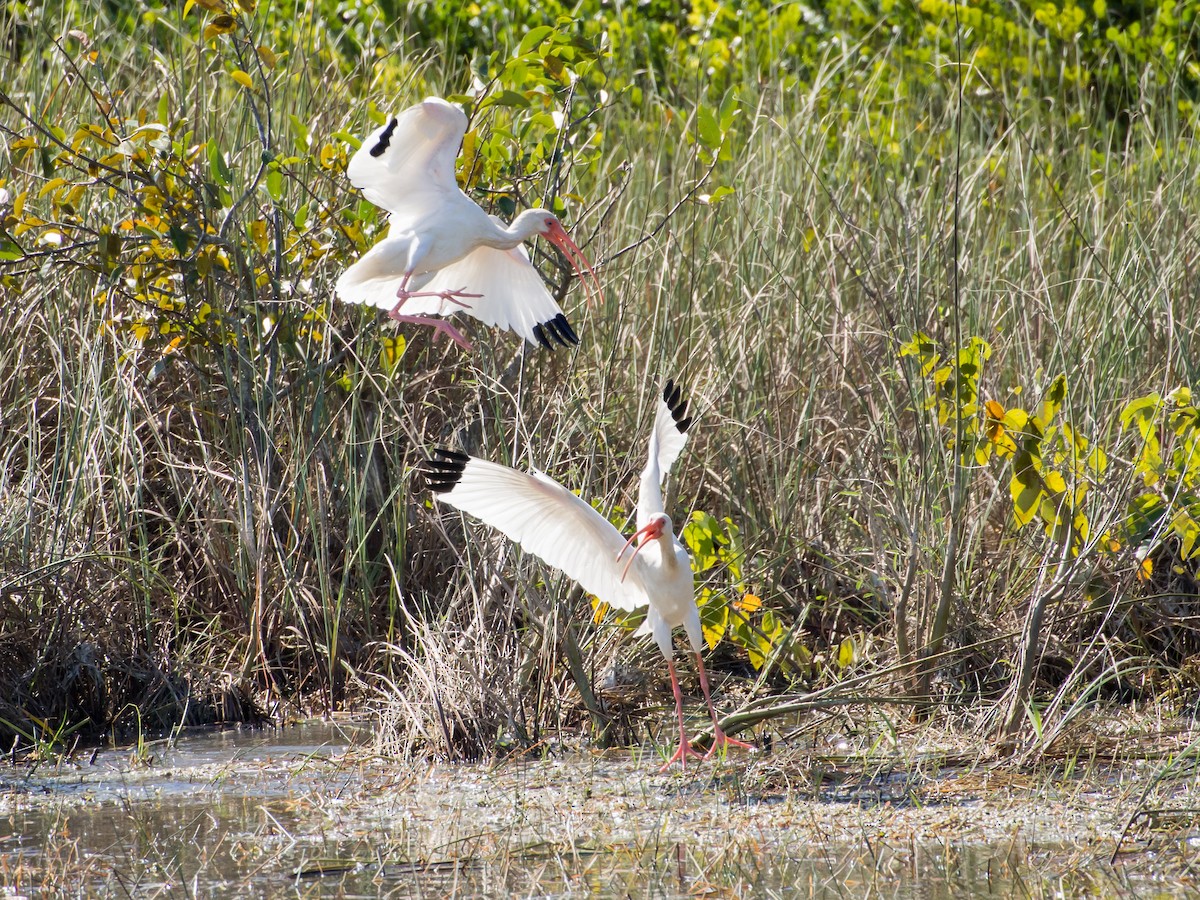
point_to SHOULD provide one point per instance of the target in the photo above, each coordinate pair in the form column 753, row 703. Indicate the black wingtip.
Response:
column 444, row 469
column 385, row 139
column 673, row 397
column 565, row 330
column 557, row 328
column 553, row 329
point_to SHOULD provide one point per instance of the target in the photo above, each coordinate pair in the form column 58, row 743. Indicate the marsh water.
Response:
column 310, row 811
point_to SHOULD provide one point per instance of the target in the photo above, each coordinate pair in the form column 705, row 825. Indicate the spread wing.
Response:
column 667, row 440
column 543, row 517
column 514, row 296
column 407, row 165
column 375, row 276
column 513, row 293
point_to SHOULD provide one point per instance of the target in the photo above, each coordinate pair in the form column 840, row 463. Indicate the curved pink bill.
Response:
column 649, row 531
column 557, row 235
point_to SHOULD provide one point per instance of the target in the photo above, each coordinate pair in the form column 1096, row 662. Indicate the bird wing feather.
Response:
column 667, row 441
column 514, row 295
column 375, row 276
column 553, row 524
column 411, row 170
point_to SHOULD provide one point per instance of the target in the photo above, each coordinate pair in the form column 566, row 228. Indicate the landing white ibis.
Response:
column 443, row 253
column 550, row 522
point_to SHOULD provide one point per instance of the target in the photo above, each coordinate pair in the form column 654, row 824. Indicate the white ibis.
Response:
column 550, row 522
column 443, row 253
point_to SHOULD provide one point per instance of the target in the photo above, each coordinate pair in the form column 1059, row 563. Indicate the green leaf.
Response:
column 924, row 350
column 275, row 183
column 1025, row 488
column 506, row 98
column 1055, row 397
column 1188, row 530
column 730, row 108
column 733, row 556
column 1141, row 413
column 716, row 196
column 847, row 653
column 743, row 633
column 299, row 132
column 1184, row 421
column 554, row 65
column 707, row 128
column 222, row 24
column 714, row 617
column 920, row 346
column 771, row 626
column 179, row 239
column 10, row 250
column 110, row 248
column 534, row 38
column 1145, row 510
column 700, row 535
column 800, row 660
column 217, row 166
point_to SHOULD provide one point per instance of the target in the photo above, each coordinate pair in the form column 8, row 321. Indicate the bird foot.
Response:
column 453, row 297
column 685, row 750
column 722, row 741
column 440, row 326
column 457, row 297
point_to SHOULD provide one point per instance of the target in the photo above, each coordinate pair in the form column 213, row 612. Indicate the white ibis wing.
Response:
column 407, row 164
column 671, row 423
column 375, row 276
column 543, row 517
column 514, row 296
column 667, row 440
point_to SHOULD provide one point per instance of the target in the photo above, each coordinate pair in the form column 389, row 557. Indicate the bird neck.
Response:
column 523, row 227
column 666, row 548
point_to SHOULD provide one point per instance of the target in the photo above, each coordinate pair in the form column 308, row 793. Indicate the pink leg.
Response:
column 720, row 738
column 403, row 294
column 685, row 749
column 441, row 326
column 453, row 296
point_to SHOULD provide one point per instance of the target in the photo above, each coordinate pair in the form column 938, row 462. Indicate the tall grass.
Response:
column 233, row 526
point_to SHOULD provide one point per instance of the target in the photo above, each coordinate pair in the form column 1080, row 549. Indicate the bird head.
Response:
column 546, row 224
column 659, row 524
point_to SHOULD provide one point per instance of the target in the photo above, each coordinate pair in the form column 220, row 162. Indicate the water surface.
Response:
column 309, row 811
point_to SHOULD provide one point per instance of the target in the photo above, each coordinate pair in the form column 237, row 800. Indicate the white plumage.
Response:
column 443, row 254
column 553, row 524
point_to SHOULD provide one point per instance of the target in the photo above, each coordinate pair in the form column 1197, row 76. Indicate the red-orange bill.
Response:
column 558, row 236
column 640, row 544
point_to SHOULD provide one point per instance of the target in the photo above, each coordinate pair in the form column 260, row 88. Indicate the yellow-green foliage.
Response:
column 1168, row 463
column 1054, row 467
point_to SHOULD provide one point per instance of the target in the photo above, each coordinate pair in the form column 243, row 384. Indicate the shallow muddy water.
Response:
column 302, row 811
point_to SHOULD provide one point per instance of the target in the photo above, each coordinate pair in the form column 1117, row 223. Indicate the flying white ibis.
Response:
column 550, row 522
column 443, row 253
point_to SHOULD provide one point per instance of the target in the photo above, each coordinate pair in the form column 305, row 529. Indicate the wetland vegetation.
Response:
column 928, row 270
